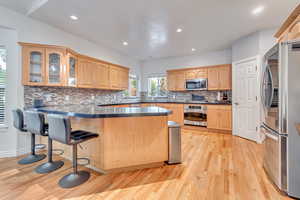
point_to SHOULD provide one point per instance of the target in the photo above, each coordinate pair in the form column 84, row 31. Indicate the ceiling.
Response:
column 149, row 26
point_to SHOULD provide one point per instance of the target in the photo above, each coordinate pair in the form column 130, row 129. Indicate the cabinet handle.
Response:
column 236, row 103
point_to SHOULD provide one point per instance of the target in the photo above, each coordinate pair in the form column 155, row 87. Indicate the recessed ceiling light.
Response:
column 258, row 10
column 193, row 49
column 125, row 43
column 179, row 30
column 74, row 17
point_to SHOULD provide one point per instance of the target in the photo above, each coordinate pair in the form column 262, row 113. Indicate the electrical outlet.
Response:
column 67, row 98
column 93, row 97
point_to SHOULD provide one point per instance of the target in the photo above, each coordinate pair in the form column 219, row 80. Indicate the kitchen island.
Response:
column 129, row 138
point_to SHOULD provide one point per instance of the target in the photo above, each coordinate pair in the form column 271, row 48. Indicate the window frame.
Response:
column 133, row 76
column 4, row 86
column 149, row 85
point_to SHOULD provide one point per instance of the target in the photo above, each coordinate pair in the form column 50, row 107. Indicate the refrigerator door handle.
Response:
column 273, row 137
column 272, row 87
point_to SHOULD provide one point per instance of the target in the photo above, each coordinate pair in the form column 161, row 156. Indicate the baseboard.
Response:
column 22, row 151
column 7, row 154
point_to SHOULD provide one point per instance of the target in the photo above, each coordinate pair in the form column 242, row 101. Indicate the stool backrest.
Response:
column 18, row 119
column 35, row 122
column 59, row 128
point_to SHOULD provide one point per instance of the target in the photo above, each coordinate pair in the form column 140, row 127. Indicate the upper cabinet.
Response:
column 71, row 70
column 219, row 77
column 119, row 78
column 55, row 67
column 176, row 81
column 33, row 66
column 290, row 30
column 196, row 73
column 45, row 65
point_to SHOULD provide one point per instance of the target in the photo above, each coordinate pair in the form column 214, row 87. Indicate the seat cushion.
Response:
column 82, row 135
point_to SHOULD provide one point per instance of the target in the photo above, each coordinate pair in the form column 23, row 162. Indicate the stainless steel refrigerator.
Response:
column 280, row 93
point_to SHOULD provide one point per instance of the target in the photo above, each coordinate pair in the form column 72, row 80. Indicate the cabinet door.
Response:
column 212, row 118
column 213, row 78
column 71, row 72
column 33, row 66
column 171, row 79
column 124, row 79
column 101, row 76
column 201, row 73
column 55, row 67
column 190, row 74
column 85, row 71
column 180, row 81
column 224, row 77
column 225, row 119
column 114, row 77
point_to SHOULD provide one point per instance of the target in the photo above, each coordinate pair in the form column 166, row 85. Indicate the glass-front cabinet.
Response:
column 71, row 70
column 55, row 67
column 33, row 62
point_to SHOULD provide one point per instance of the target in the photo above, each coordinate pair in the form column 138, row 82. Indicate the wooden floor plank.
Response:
column 215, row 166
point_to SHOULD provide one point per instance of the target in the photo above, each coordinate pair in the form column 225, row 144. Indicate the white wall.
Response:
column 20, row 28
column 254, row 44
column 8, row 135
column 160, row 66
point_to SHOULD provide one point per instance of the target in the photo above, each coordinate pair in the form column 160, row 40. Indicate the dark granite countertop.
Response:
column 168, row 101
column 94, row 111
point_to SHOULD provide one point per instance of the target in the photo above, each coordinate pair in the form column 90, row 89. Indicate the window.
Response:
column 157, row 86
column 133, row 86
column 2, row 84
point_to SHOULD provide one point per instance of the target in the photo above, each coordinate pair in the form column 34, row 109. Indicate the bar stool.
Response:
column 60, row 130
column 18, row 122
column 36, row 124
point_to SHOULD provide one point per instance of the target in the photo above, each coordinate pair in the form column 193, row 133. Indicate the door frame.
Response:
column 258, row 59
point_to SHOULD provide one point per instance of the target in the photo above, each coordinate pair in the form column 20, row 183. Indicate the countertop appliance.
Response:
column 196, row 84
column 195, row 115
column 280, row 93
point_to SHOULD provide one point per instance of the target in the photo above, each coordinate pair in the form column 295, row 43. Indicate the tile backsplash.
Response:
column 187, row 95
column 64, row 96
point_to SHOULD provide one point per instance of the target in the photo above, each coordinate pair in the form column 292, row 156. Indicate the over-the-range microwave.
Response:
column 196, row 84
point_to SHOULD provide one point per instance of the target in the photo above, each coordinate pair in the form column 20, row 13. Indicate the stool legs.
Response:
column 51, row 165
column 32, row 158
column 76, row 177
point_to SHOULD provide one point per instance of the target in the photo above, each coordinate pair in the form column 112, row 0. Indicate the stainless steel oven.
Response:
column 196, row 84
column 195, row 115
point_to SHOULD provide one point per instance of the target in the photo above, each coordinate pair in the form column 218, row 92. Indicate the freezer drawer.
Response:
column 274, row 161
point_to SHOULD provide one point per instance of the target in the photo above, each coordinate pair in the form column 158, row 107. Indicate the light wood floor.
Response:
column 215, row 166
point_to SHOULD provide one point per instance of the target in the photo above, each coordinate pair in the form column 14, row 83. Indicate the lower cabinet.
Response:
column 219, row 117
column 177, row 112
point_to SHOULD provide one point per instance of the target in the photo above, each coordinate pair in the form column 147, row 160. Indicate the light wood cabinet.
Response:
column 219, row 78
column 71, row 70
column 48, row 65
column 196, row 73
column 219, row 117
column 55, row 67
column 176, row 81
column 33, row 61
column 177, row 112
column 119, row 77
column 213, row 78
column 290, row 30
column 85, row 72
column 101, row 76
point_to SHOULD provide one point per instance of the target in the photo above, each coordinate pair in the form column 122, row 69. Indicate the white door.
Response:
column 245, row 99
